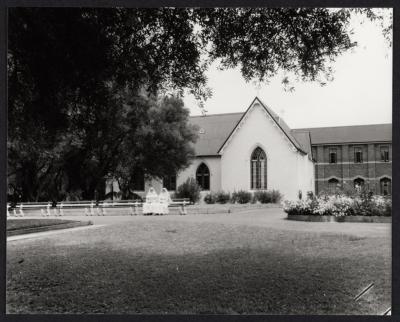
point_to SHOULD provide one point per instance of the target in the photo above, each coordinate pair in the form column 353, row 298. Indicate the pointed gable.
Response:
column 274, row 118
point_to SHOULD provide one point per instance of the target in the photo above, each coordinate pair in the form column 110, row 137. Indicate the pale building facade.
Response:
column 228, row 144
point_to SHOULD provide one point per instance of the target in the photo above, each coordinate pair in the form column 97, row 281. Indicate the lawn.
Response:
column 33, row 225
column 184, row 264
column 16, row 224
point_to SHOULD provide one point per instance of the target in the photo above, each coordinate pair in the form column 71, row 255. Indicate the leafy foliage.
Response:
column 189, row 189
column 273, row 196
column 222, row 197
column 241, row 196
column 209, row 198
column 364, row 204
column 84, row 82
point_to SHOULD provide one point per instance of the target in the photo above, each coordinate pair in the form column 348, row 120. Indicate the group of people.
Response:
column 156, row 204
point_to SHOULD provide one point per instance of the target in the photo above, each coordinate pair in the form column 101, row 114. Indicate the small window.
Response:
column 386, row 186
column 169, row 182
column 358, row 184
column 333, row 155
column 333, row 184
column 358, row 155
column 384, row 153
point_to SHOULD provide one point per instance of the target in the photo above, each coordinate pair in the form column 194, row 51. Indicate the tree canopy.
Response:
column 84, row 82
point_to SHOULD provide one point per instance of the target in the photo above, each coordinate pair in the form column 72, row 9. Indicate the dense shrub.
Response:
column 276, row 196
column 189, row 189
column 222, row 197
column 341, row 205
column 209, row 198
column 387, row 209
column 266, row 196
column 310, row 195
column 241, row 196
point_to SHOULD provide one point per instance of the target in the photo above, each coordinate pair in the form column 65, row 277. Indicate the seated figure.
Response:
column 149, row 207
column 164, row 201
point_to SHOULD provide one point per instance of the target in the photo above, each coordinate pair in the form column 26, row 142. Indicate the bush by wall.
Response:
column 241, row 196
column 267, row 196
column 222, row 197
column 189, row 189
column 209, row 198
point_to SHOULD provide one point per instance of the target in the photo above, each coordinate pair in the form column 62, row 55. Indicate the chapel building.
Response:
column 256, row 150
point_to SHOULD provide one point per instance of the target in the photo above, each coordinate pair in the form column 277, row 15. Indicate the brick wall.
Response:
column 372, row 169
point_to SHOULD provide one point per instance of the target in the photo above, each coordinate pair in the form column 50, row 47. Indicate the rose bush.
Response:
column 340, row 205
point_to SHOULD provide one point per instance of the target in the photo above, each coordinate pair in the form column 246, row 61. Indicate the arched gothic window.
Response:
column 258, row 169
column 203, row 177
column 358, row 184
column 333, row 185
column 386, row 186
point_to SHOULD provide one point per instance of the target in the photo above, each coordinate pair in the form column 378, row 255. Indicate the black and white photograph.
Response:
column 193, row 160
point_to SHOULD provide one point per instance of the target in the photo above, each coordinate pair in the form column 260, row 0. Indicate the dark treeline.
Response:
column 86, row 84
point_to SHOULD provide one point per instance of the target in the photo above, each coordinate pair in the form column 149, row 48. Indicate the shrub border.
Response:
column 360, row 219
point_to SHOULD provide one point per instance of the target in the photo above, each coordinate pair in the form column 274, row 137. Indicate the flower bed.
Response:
column 340, row 206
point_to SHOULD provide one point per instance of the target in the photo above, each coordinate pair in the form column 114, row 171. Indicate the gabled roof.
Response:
column 349, row 134
column 216, row 129
column 303, row 137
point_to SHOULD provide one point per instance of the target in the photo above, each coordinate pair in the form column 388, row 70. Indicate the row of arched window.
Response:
column 385, row 185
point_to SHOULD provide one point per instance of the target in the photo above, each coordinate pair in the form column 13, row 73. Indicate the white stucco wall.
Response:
column 287, row 170
column 305, row 174
column 213, row 164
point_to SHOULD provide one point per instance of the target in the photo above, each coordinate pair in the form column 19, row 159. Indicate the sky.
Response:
column 361, row 92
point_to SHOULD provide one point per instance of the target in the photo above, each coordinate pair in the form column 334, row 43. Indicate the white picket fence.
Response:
column 91, row 208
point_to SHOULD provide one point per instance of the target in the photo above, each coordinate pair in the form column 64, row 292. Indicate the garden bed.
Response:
column 227, row 208
column 370, row 219
column 28, row 226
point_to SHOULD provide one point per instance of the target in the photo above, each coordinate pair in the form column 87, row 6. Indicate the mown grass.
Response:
column 158, row 266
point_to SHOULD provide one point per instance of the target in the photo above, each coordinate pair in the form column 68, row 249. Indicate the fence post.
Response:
column 131, row 211
column 103, row 209
column 21, row 212
column 14, row 212
column 61, row 209
column 184, row 208
column 91, row 209
column 42, row 212
column 48, row 209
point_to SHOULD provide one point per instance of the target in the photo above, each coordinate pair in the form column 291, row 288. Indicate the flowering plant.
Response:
column 340, row 205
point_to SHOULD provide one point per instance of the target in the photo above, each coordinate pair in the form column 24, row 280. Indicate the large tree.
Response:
column 77, row 75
